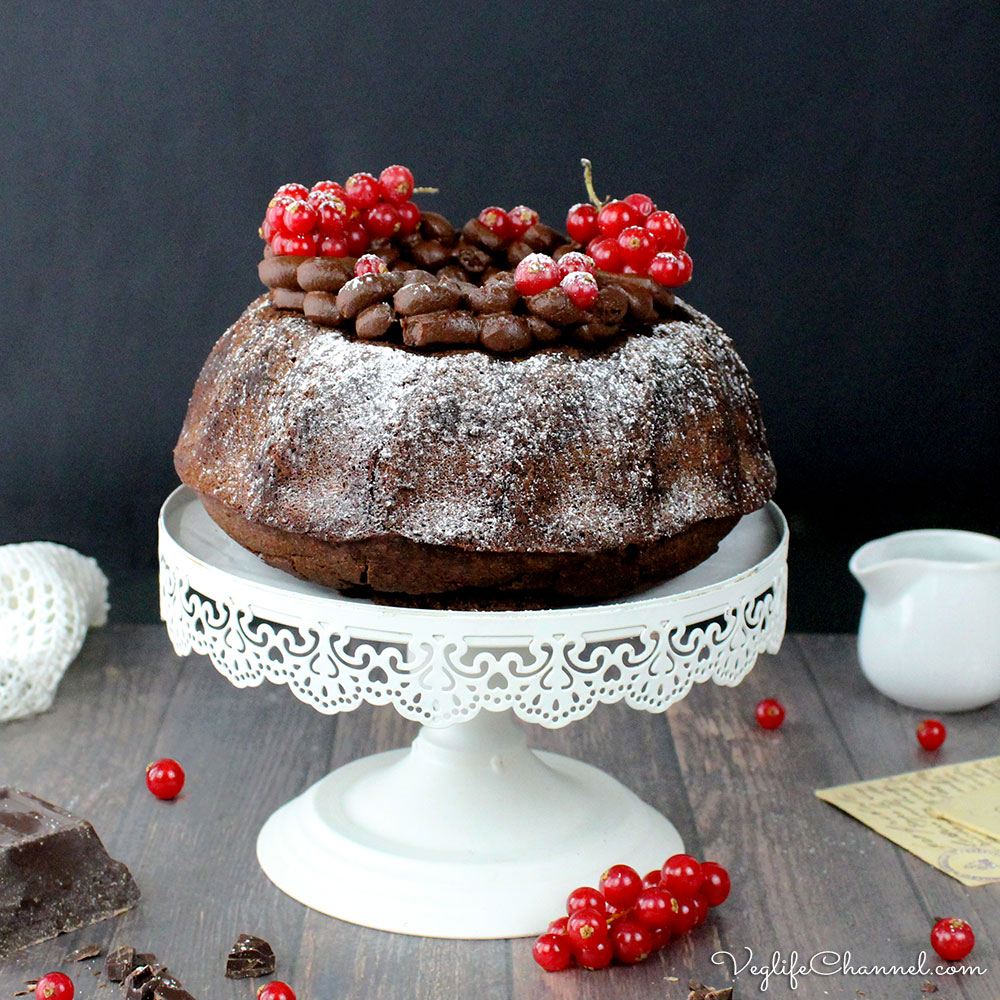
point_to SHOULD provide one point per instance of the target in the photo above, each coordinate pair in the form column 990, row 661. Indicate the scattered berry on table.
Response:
column 595, row 956
column 952, row 939
column 552, row 952
column 715, row 888
column 931, row 734
column 770, row 713
column 54, row 986
column 275, row 990
column 682, row 875
column 165, row 778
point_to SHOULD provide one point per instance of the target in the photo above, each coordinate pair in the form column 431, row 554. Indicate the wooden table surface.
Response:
column 806, row 877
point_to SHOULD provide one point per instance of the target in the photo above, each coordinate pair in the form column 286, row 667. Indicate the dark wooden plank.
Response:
column 879, row 738
column 805, row 875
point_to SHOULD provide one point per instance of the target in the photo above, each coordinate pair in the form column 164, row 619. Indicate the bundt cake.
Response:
column 433, row 433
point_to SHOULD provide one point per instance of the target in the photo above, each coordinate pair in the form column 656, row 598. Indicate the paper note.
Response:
column 905, row 808
column 979, row 810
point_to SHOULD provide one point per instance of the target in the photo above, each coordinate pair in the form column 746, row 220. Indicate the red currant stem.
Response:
column 588, row 180
column 426, row 190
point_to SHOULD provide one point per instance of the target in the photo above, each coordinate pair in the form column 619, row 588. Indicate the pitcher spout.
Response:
column 884, row 580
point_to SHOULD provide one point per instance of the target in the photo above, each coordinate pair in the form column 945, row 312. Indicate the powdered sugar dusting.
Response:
column 303, row 429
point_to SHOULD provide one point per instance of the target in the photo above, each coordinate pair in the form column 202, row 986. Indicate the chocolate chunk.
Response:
column 541, row 237
column 699, row 991
column 280, row 271
column 119, row 963
column 504, row 333
column 496, row 295
column 82, row 954
column 555, row 306
column 474, row 259
column 374, row 322
column 250, row 957
column 475, row 232
column 325, row 274
column 440, row 328
column 517, row 251
column 321, row 307
column 285, row 298
column 415, row 298
column 430, row 254
column 611, row 305
column 541, row 330
column 436, row 227
column 55, row 874
column 166, row 991
column 364, row 291
column 141, row 982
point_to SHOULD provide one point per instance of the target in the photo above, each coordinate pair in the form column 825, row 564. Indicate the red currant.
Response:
column 931, row 734
column 54, row 986
column 585, row 897
column 951, row 938
column 670, row 269
column 581, row 222
column 357, row 238
column 321, row 188
column 715, row 889
column 300, row 218
column 636, row 247
column 642, row 203
column 332, row 246
column 770, row 713
column 651, row 879
column 299, row 246
column 552, row 952
column 331, row 216
column 275, row 990
column 605, row 255
column 165, row 778
column 586, row 926
column 659, row 938
column 298, row 191
column 370, row 264
column 681, row 874
column 575, row 261
column 667, row 230
column 595, row 956
column 409, row 218
column 522, row 219
column 497, row 222
column 363, row 190
column 686, row 916
column 656, row 907
column 558, row 926
column 632, row 941
column 620, row 884
column 616, row 216
column 582, row 290
column 382, row 220
column 536, row 273
column 275, row 214
column 699, row 908
column 396, row 183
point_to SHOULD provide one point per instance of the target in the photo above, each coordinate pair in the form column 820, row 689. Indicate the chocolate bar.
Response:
column 250, row 957
column 55, row 874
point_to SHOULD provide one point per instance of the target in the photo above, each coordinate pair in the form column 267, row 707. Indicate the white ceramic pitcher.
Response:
column 930, row 626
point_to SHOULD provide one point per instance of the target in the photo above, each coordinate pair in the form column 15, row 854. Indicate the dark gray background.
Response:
column 835, row 165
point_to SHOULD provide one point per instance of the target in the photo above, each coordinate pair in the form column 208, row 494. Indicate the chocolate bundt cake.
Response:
column 470, row 446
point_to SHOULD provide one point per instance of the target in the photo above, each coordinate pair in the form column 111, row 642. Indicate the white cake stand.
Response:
column 467, row 833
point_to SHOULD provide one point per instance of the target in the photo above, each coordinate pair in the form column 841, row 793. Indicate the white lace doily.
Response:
column 49, row 596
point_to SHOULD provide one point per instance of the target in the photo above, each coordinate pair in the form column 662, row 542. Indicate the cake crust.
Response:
column 570, row 474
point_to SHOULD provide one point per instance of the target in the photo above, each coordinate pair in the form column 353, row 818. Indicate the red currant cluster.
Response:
column 508, row 227
column 573, row 272
column 632, row 237
column 630, row 917
column 340, row 220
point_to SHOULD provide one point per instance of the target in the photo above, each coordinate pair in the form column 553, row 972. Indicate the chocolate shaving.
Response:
column 699, row 991
column 83, row 953
column 250, row 957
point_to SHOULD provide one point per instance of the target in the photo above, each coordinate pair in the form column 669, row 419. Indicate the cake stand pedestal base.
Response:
column 466, row 834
